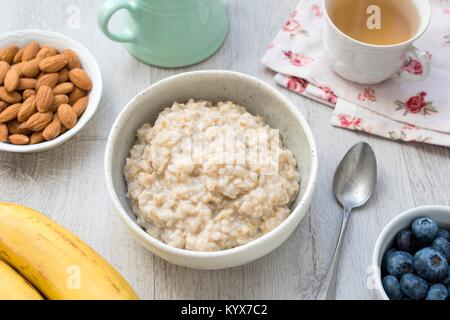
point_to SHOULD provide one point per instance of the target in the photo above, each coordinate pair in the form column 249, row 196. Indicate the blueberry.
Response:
column 443, row 246
column 443, row 233
column 430, row 264
column 392, row 288
column 413, row 286
column 425, row 229
column 399, row 263
column 437, row 292
column 386, row 255
column 446, row 281
column 406, row 241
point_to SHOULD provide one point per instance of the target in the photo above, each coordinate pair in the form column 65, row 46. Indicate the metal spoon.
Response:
column 353, row 184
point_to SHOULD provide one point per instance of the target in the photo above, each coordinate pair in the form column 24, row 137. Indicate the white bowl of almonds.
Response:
column 50, row 87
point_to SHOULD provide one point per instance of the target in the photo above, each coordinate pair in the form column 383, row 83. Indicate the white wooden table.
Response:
column 68, row 183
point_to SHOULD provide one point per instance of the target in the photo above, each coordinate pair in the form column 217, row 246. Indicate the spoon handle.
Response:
column 328, row 290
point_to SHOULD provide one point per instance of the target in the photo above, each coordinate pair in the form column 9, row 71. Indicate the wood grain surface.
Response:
column 68, row 183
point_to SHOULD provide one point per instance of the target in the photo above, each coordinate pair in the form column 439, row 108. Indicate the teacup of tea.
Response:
column 368, row 41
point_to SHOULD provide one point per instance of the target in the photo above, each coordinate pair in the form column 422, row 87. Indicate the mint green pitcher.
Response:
column 168, row 33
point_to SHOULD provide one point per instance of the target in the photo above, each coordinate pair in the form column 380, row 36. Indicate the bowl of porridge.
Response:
column 211, row 169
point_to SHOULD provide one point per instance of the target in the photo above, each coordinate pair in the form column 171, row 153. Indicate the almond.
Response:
column 3, row 106
column 18, row 57
column 3, row 133
column 37, row 137
column 30, row 51
column 67, row 116
column 4, row 68
column 76, row 94
column 19, row 67
column 7, row 54
column 22, row 129
column 72, row 59
column 59, row 100
column 30, row 69
column 10, row 113
column 26, row 83
column 44, row 99
column 19, row 139
column 80, row 106
column 39, row 121
column 12, row 80
column 80, row 79
column 63, row 88
column 53, row 129
column 9, row 97
column 46, row 52
column 63, row 75
column 50, row 80
column 53, row 64
column 13, row 126
column 27, row 109
column 28, row 93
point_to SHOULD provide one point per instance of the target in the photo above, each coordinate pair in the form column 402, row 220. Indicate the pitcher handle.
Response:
column 416, row 65
column 109, row 8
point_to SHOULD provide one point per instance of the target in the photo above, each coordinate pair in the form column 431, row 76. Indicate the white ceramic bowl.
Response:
column 21, row 38
column 387, row 237
column 258, row 98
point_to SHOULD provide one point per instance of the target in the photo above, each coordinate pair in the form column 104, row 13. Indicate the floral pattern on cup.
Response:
column 297, row 84
column 413, row 66
column 417, row 105
column 317, row 11
column 297, row 59
column 367, row 95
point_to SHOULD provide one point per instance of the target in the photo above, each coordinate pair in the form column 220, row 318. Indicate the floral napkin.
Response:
column 395, row 109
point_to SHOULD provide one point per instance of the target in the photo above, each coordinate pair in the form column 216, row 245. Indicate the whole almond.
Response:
column 39, row 121
column 63, row 75
column 67, row 116
column 46, row 52
column 13, row 126
column 19, row 67
column 49, row 80
column 12, row 80
column 4, row 68
column 3, row 106
column 26, row 83
column 22, row 129
column 3, row 132
column 9, row 97
column 10, row 113
column 19, row 139
column 59, row 100
column 63, row 88
column 80, row 79
column 18, row 57
column 28, row 93
column 72, row 59
column 80, row 106
column 30, row 69
column 27, row 109
column 44, row 99
column 76, row 94
column 53, row 129
column 7, row 54
column 30, row 51
column 36, row 137
column 53, row 64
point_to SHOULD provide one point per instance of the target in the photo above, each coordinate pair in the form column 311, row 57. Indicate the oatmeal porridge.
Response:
column 188, row 195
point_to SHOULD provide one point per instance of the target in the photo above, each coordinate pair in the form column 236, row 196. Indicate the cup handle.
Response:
column 109, row 8
column 416, row 65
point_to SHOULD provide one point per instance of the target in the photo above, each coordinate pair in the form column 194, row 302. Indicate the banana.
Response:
column 14, row 287
column 56, row 262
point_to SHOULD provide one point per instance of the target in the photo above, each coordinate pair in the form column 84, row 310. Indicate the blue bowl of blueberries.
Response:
column 413, row 255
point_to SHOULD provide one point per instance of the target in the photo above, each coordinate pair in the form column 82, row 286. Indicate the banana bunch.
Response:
column 40, row 259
